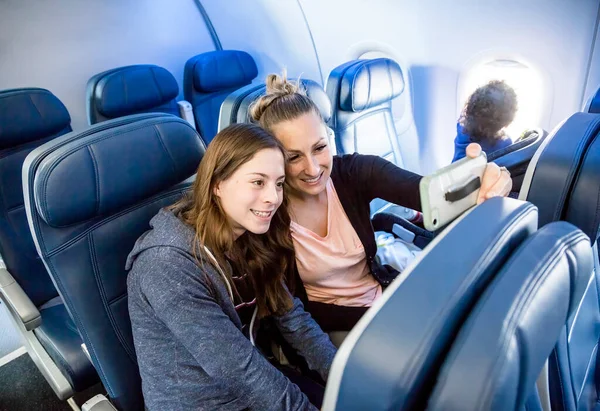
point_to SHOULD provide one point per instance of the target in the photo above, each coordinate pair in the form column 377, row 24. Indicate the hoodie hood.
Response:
column 166, row 231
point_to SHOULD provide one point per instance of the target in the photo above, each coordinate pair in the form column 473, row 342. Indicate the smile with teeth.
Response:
column 312, row 180
column 262, row 214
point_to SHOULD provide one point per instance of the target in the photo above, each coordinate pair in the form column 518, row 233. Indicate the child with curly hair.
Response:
column 490, row 109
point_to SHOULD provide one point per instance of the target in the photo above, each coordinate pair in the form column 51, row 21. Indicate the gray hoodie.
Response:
column 191, row 351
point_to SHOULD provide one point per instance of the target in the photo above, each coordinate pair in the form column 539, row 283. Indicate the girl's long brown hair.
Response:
column 268, row 258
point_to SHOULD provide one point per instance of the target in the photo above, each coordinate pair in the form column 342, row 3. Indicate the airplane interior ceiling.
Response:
column 59, row 45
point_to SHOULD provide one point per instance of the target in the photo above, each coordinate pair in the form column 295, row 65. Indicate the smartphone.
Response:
column 451, row 191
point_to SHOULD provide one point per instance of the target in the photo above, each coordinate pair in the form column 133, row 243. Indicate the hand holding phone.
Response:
column 451, row 191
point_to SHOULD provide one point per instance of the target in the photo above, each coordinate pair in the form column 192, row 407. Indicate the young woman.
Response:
column 329, row 205
column 490, row 109
column 213, row 265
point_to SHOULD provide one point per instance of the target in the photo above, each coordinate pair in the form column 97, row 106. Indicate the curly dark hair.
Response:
column 489, row 109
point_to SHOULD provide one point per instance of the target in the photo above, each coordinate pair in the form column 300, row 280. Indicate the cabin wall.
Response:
column 274, row 32
column 60, row 44
column 437, row 39
column 593, row 81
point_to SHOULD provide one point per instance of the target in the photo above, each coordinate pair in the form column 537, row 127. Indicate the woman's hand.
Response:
column 496, row 181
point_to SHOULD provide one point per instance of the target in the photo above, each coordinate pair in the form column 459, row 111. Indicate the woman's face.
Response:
column 309, row 159
column 252, row 194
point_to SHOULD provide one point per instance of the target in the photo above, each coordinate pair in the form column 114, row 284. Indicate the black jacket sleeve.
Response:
column 378, row 178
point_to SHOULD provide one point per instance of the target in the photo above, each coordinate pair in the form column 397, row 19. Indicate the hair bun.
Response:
column 277, row 86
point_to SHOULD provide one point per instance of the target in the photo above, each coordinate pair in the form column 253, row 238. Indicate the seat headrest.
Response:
column 515, row 325
column 396, row 375
column 584, row 203
column 316, row 93
column 222, row 69
column 30, row 114
column 594, row 106
column 111, row 166
column 126, row 90
column 236, row 107
column 370, row 83
column 567, row 161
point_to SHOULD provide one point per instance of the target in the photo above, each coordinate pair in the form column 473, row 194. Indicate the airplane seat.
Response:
column 30, row 117
column 123, row 91
column 89, row 195
column 563, row 181
column 517, row 156
column 209, row 78
column 361, row 94
column 593, row 103
column 236, row 107
column 515, row 325
column 391, row 358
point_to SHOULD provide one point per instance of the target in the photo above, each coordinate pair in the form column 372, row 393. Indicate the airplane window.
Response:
column 524, row 79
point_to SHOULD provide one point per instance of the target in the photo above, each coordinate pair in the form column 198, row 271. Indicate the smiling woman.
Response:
column 253, row 193
column 213, row 264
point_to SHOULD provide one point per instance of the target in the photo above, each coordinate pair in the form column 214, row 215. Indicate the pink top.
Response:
column 334, row 268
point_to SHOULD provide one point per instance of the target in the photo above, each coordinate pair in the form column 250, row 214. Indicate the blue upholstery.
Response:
column 498, row 354
column 130, row 90
column 392, row 356
column 517, row 156
column 594, row 104
column 361, row 94
column 134, row 165
column 209, row 78
column 62, row 342
column 568, row 163
column 236, row 107
column 28, row 118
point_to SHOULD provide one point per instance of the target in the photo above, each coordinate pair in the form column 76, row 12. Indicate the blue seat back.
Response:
column 129, row 90
column 498, row 354
column 236, row 107
column 28, row 117
column 209, row 78
column 392, row 356
column 569, row 163
column 361, row 94
column 89, row 195
column 593, row 105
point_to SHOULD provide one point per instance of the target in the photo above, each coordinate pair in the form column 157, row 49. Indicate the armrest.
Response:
column 18, row 301
column 186, row 112
column 98, row 403
column 385, row 222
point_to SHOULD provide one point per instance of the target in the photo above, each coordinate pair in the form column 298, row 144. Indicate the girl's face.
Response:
column 309, row 159
column 252, row 194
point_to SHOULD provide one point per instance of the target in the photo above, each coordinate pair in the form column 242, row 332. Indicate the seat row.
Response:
column 469, row 326
column 38, row 118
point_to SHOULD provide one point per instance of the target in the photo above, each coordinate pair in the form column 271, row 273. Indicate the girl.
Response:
column 329, row 196
column 211, row 265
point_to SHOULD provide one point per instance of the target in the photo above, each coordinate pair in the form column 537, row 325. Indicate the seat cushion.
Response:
column 59, row 337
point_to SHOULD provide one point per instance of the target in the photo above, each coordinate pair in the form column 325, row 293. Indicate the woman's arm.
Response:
column 179, row 293
column 304, row 334
column 379, row 178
